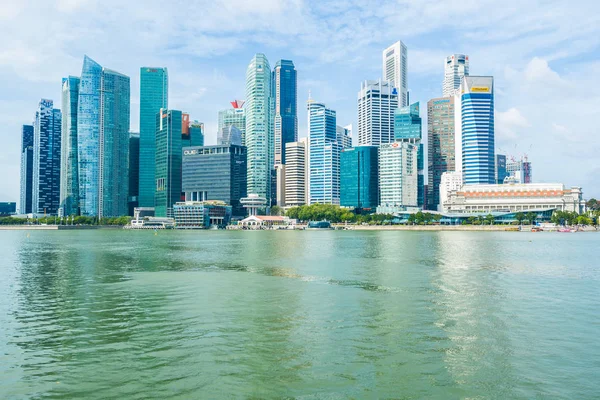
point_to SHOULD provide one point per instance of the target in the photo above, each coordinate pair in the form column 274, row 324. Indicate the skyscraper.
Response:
column 395, row 67
column 501, row 172
column 168, row 161
column 69, row 165
column 103, row 117
column 134, row 170
column 230, row 135
column 377, row 101
column 344, row 136
column 407, row 128
column 398, row 176
column 474, row 127
column 154, row 93
column 26, row 169
column 324, row 155
column 46, row 159
column 235, row 116
column 359, row 170
column 284, row 89
column 295, row 172
column 259, row 131
column 440, row 145
column 192, row 133
column 456, row 68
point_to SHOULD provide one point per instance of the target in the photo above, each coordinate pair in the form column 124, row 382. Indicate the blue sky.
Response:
column 543, row 55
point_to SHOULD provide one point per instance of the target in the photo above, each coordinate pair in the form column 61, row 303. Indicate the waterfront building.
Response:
column 168, row 161
column 359, row 174
column 232, row 117
column 519, row 169
column 134, row 171
column 201, row 214
column 215, row 173
column 253, row 203
column 344, row 136
column 521, row 197
column 398, row 176
column 450, row 181
column 501, row 172
column 474, row 130
column 7, row 208
column 407, row 128
column 103, row 116
column 395, row 70
column 295, row 173
column 324, row 155
column 69, row 165
column 377, row 101
column 455, row 69
column 259, row 128
column 154, row 95
column 440, row 145
column 25, row 205
column 285, row 98
column 46, row 159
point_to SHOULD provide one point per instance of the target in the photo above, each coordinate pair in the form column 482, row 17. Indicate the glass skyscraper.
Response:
column 377, row 101
column 456, row 68
column 324, row 155
column 46, row 159
column 134, row 171
column 69, row 166
column 236, row 117
column 395, row 70
column 26, row 169
column 284, row 88
column 168, row 161
column 501, row 171
column 407, row 128
column 154, row 89
column 359, row 171
column 259, row 131
column 440, row 145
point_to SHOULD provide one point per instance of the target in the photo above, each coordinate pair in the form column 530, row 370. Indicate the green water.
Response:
column 305, row 315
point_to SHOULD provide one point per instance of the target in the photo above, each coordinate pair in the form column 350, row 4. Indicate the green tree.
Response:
column 531, row 217
column 520, row 217
column 276, row 210
column 490, row 219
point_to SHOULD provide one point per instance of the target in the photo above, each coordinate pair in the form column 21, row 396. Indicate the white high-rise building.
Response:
column 296, row 169
column 344, row 136
column 451, row 181
column 377, row 101
column 395, row 66
column 457, row 67
column 398, row 176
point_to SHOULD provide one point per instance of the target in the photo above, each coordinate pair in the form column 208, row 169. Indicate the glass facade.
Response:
column 259, row 130
column 440, row 145
column 154, row 89
column 69, row 175
column 359, row 171
column 168, row 161
column 284, row 87
column 46, row 159
column 377, row 101
column 215, row 173
column 134, row 171
column 232, row 117
column 501, row 171
column 407, row 128
column 26, row 169
column 324, row 155
column 198, row 215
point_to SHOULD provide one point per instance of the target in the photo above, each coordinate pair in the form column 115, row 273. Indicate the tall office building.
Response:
column 344, row 136
column 285, row 98
column 26, row 169
column 324, row 155
column 359, row 171
column 398, row 177
column 440, row 145
column 69, row 165
column 259, row 139
column 215, row 173
column 103, row 116
column 456, row 68
column 134, row 171
column 46, row 159
column 395, row 70
column 474, row 130
column 501, row 172
column 154, row 94
column 230, row 135
column 236, row 117
column 280, row 183
column 295, row 172
column 192, row 132
column 168, row 161
column 377, row 101
column 407, row 128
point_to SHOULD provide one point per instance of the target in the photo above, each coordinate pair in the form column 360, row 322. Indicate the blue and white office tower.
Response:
column 259, row 138
column 69, row 166
column 46, row 159
column 324, row 155
column 285, row 98
column 103, row 115
column 474, row 130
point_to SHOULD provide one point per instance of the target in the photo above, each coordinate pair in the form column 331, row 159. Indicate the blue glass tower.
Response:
column 359, row 171
column 69, row 169
column 284, row 88
column 26, row 169
column 407, row 128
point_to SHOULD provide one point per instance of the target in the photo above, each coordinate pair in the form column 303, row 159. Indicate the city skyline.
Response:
column 532, row 80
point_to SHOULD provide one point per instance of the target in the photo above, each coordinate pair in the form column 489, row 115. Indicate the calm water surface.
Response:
column 305, row 315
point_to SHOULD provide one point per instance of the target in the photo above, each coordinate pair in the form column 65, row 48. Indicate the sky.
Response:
column 543, row 54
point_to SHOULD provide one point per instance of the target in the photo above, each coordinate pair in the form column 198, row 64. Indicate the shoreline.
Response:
column 56, row 227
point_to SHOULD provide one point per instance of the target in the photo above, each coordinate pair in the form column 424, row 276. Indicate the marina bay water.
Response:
column 306, row 315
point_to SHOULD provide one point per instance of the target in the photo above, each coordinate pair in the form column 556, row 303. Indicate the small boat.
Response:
column 567, row 230
column 536, row 229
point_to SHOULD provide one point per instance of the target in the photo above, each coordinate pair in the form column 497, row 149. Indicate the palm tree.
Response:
column 490, row 219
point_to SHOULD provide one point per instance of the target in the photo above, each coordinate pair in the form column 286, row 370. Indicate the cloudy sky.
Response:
column 543, row 55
